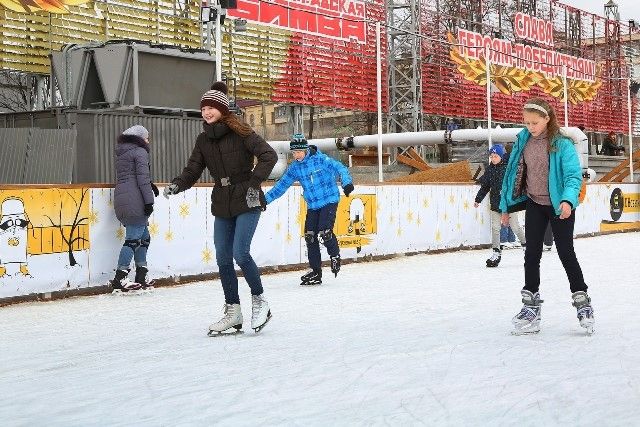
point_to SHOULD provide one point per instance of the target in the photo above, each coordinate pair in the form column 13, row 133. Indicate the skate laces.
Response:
column 257, row 304
column 528, row 313
column 585, row 312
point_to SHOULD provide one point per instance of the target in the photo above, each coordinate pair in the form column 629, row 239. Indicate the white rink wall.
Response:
column 375, row 220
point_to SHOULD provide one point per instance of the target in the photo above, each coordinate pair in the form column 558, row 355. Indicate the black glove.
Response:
column 148, row 209
column 347, row 189
column 155, row 190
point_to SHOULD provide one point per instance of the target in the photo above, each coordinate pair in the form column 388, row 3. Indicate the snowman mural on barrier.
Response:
column 13, row 238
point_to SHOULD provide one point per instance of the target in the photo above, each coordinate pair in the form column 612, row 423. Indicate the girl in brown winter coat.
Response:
column 227, row 148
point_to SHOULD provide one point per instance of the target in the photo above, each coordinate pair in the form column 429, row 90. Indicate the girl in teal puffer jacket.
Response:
column 544, row 177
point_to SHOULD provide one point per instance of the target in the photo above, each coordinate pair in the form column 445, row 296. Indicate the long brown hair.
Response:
column 239, row 127
column 553, row 128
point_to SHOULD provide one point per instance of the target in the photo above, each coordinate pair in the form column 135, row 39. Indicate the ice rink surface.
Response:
column 420, row 340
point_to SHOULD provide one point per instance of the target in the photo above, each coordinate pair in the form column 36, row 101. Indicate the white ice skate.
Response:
column 230, row 324
column 260, row 313
column 582, row 303
column 528, row 320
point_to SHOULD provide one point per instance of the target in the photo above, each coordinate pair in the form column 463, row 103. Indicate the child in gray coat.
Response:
column 133, row 202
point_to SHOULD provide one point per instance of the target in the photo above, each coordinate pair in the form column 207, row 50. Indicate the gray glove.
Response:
column 253, row 198
column 170, row 190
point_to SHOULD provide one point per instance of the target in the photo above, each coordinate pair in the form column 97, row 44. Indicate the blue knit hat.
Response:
column 497, row 149
column 298, row 142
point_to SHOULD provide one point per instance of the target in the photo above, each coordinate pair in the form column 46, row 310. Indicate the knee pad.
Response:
column 326, row 236
column 309, row 237
column 132, row 243
column 145, row 242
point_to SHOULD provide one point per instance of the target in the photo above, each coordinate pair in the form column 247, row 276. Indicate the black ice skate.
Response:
column 120, row 284
column 495, row 258
column 313, row 277
column 141, row 278
column 582, row 303
column 335, row 264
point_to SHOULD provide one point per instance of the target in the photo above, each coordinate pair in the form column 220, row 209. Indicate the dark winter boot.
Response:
column 141, row 277
column 313, row 277
column 119, row 282
column 495, row 258
column 335, row 264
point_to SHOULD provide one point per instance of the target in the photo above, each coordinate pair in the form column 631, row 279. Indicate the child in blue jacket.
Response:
column 544, row 177
column 316, row 172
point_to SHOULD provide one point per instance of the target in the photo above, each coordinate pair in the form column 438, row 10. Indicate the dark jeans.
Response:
column 506, row 235
column 548, row 235
column 232, row 239
column 320, row 221
column 536, row 219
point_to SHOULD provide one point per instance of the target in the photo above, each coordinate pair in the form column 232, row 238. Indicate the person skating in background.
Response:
column 491, row 182
column 316, row 172
column 133, row 203
column 227, row 148
column 544, row 176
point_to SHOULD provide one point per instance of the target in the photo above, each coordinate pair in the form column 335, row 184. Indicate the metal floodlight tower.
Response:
column 611, row 11
column 404, row 53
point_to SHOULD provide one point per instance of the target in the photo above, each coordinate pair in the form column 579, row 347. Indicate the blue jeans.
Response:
column 232, row 239
column 506, row 235
column 136, row 243
column 319, row 226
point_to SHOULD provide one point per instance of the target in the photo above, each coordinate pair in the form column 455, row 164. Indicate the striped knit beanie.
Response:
column 216, row 98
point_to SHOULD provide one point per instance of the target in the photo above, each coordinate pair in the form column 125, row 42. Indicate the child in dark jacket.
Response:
column 491, row 182
column 133, row 202
column 317, row 174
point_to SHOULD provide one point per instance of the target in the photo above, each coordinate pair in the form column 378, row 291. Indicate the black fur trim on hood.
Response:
column 132, row 139
column 313, row 150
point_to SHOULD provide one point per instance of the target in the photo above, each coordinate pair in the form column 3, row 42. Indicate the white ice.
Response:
column 420, row 340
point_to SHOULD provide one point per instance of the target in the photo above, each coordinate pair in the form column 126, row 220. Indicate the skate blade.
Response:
column 223, row 333
column 519, row 332
column 310, row 283
column 259, row 328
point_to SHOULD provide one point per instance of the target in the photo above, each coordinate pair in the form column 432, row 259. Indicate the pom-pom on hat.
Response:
column 216, row 97
column 497, row 149
column 298, row 142
column 137, row 130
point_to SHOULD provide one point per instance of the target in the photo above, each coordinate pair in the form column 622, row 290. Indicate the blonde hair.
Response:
column 553, row 128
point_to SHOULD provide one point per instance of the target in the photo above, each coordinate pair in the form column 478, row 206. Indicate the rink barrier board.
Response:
column 381, row 221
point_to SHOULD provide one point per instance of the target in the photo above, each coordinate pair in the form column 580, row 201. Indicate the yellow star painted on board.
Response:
column 154, row 229
column 168, row 236
column 184, row 210
column 409, row 216
column 438, row 236
column 92, row 218
column 289, row 238
column 425, row 203
column 466, row 205
column 207, row 256
column 120, row 233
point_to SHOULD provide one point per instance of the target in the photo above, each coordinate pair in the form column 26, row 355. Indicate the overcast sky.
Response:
column 629, row 9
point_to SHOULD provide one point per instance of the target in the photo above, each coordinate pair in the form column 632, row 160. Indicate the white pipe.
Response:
column 487, row 52
column 379, row 94
column 566, row 98
column 436, row 137
column 218, row 44
column 630, row 130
